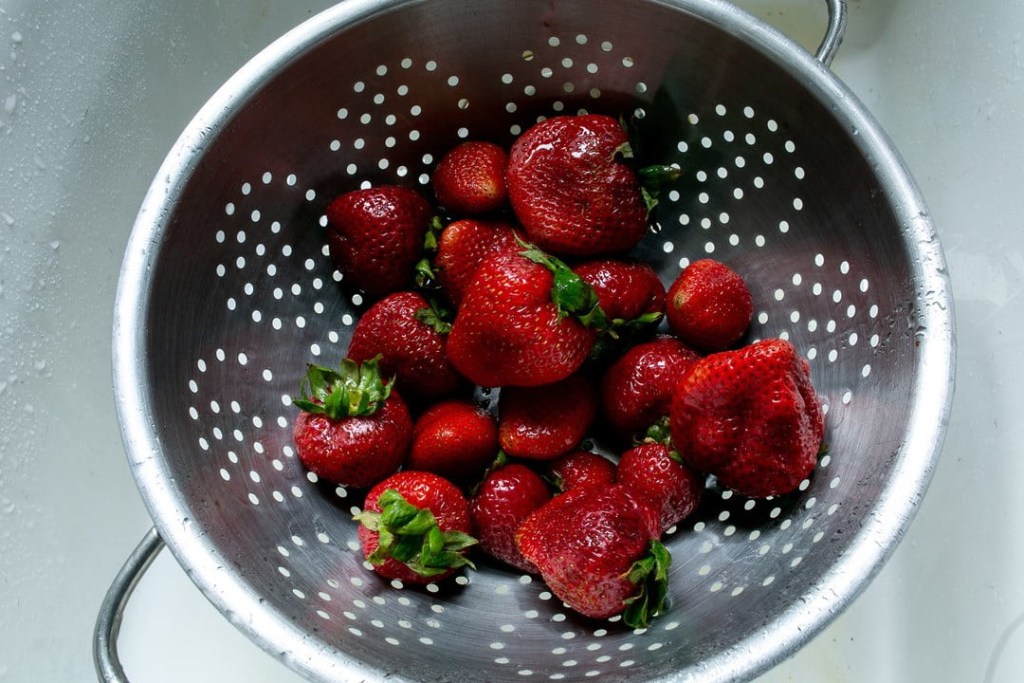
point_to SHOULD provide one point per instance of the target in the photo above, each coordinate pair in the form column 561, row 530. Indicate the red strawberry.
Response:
column 415, row 527
column 470, row 179
column 657, row 475
column 626, row 290
column 598, row 551
column 636, row 390
column 523, row 322
column 506, row 497
column 454, row 439
column 462, row 246
column 409, row 335
column 542, row 423
column 750, row 417
column 376, row 236
column 353, row 429
column 580, row 469
column 709, row 306
column 571, row 190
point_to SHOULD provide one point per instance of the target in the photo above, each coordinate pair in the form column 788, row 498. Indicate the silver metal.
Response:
column 226, row 292
column 834, row 35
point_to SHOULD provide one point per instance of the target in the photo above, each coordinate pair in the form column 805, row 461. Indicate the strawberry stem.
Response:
column 650, row 574
column 569, row 292
column 354, row 390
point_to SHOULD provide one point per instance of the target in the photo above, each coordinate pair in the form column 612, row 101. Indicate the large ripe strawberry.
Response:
column 415, row 527
column 375, row 236
column 544, row 422
column 656, row 473
column 580, row 469
column 709, row 306
column 598, row 551
column 507, row 496
column 455, row 439
column 571, row 188
column 636, row 390
column 409, row 335
column 523, row 322
column 750, row 417
column 462, row 247
column 470, row 178
column 353, row 430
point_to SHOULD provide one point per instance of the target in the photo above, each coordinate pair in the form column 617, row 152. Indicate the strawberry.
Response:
column 580, row 469
column 375, row 236
column 409, row 335
column 353, row 429
column 750, row 417
column 454, row 439
column 570, row 188
column 657, row 475
column 598, row 551
column 415, row 527
column 506, row 497
column 627, row 291
column 709, row 306
column 636, row 390
column 470, row 178
column 523, row 322
column 462, row 246
column 542, row 423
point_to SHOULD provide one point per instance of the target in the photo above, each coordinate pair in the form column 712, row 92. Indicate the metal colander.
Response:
column 227, row 291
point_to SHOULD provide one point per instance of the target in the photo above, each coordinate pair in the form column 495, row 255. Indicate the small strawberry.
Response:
column 470, row 178
column 581, row 469
column 523, row 322
column 542, row 423
column 709, row 306
column 454, row 439
column 415, row 527
column 598, row 551
column 657, row 475
column 462, row 247
column 750, row 417
column 376, row 236
column 631, row 299
column 409, row 335
column 636, row 390
column 353, row 430
column 571, row 189
column 506, row 497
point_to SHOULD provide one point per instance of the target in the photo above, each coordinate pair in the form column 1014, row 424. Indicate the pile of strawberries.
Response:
column 589, row 348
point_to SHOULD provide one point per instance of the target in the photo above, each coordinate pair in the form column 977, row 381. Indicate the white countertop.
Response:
column 92, row 96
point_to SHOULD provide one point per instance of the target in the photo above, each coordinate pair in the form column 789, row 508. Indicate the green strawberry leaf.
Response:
column 569, row 292
column 650, row 574
column 354, row 390
column 654, row 179
column 435, row 317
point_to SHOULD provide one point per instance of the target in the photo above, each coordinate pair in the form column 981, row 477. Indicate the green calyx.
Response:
column 650, row 574
column 661, row 433
column 569, row 292
column 411, row 535
column 435, row 317
column 654, row 179
column 354, row 390
column 424, row 273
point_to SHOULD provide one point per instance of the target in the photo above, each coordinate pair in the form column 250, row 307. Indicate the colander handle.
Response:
column 108, row 623
column 834, row 34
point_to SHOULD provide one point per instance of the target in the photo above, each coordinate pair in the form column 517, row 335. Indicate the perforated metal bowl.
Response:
column 227, row 291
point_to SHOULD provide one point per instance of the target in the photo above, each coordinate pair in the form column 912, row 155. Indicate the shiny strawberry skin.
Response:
column 470, row 178
column 569, row 190
column 375, row 236
column 709, row 306
column 625, row 289
column 455, row 439
column 542, row 423
column 636, row 390
column 650, row 471
column 411, row 350
column 508, row 332
column 506, row 497
column 751, row 417
column 463, row 246
column 581, row 469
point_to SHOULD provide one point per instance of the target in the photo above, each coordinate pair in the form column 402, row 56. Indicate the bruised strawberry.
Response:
column 571, row 190
column 657, row 475
column 375, row 236
column 409, row 336
column 462, row 247
column 415, row 527
column 598, row 551
column 353, row 429
column 470, row 178
column 523, row 322
column 636, row 390
column 542, row 423
column 581, row 469
column 709, row 306
column 454, row 439
column 750, row 417
column 506, row 497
